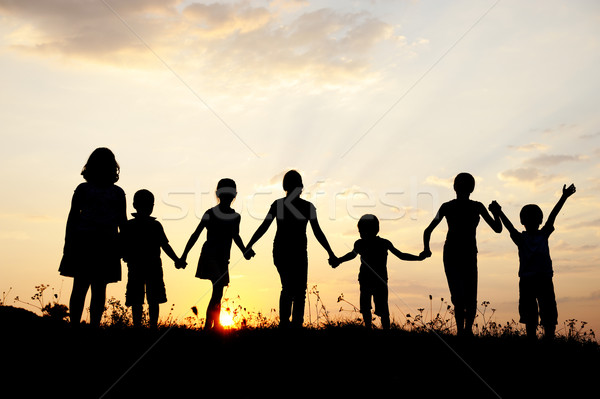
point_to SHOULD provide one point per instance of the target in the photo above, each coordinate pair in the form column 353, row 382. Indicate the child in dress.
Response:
column 460, row 249
column 290, row 247
column 373, row 276
column 142, row 239
column 222, row 225
column 91, row 255
column 536, row 289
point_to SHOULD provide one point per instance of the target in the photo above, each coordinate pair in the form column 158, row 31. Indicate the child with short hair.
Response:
column 373, row 276
column 142, row 239
column 290, row 256
column 222, row 225
column 536, row 289
column 460, row 249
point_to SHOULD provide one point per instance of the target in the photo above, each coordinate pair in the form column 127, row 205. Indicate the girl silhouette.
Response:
column 91, row 255
column 222, row 225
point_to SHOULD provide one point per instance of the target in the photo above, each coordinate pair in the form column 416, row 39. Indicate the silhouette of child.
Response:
column 460, row 249
column 290, row 247
column 373, row 276
column 90, row 254
column 142, row 239
column 222, row 225
column 535, row 265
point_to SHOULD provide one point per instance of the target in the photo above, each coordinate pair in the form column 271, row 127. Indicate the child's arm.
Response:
column 320, row 236
column 247, row 251
column 494, row 222
column 193, row 238
column 262, row 229
column 170, row 253
column 405, row 256
column 427, row 233
column 496, row 210
column 335, row 262
column 566, row 193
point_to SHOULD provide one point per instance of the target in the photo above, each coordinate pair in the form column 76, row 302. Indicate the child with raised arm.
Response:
column 536, row 289
column 372, row 275
column 222, row 225
column 290, row 247
column 460, row 249
column 142, row 239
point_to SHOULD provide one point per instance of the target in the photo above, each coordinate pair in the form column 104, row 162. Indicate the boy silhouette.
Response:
column 460, row 249
column 536, row 288
column 372, row 275
column 290, row 247
column 142, row 239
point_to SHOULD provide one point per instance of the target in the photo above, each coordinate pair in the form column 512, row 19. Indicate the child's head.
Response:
column 531, row 216
column 226, row 190
column 464, row 183
column 101, row 167
column 143, row 202
column 368, row 226
column 292, row 182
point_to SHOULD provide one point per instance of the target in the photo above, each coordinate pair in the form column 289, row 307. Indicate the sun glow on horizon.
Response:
column 226, row 318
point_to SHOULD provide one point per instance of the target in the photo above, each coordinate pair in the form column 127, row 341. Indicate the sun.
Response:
column 226, row 318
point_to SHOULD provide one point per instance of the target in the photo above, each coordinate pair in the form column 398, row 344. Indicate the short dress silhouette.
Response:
column 91, row 246
column 221, row 227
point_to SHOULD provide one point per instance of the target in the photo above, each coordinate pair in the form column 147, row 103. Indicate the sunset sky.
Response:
column 378, row 104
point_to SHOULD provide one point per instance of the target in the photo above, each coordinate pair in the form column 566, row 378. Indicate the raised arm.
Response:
column 495, row 223
column 496, row 210
column 566, row 193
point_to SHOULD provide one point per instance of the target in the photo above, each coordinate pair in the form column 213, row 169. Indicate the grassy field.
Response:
column 42, row 356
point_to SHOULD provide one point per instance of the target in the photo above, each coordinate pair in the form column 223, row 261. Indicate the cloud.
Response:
column 551, row 160
column 279, row 41
column 529, row 147
column 438, row 181
column 590, row 136
column 523, row 175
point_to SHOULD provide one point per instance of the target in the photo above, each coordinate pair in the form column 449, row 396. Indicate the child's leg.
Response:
column 367, row 319
column 380, row 299
column 153, row 310
column 137, row 311
column 547, row 305
column 549, row 331
column 213, row 310
column 385, row 322
column 285, row 297
column 298, row 303
column 470, row 292
column 365, row 302
column 77, row 299
column 97, row 303
column 531, row 330
column 528, row 306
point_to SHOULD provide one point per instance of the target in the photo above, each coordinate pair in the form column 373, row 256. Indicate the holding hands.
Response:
column 494, row 207
column 249, row 253
column 180, row 263
column 334, row 261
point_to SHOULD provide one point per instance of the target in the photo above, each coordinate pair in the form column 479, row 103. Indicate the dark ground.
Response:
column 41, row 358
